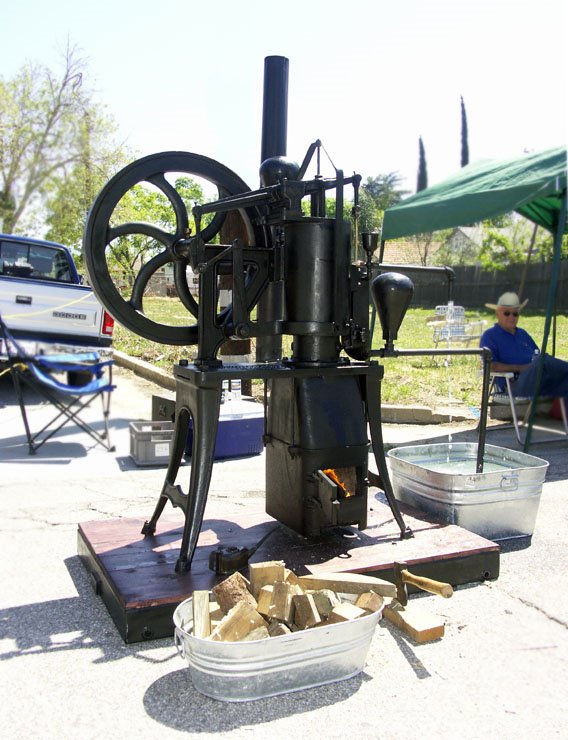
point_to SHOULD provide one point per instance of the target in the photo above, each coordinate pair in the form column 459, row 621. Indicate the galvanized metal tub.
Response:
column 500, row 503
column 242, row 671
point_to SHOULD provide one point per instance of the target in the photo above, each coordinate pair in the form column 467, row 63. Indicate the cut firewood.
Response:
column 281, row 605
column 349, row 583
column 291, row 577
column 241, row 619
column 264, row 600
column 370, row 601
column 264, row 574
column 201, row 615
column 259, row 633
column 305, row 611
column 325, row 599
column 276, row 628
column 415, row 622
column 233, row 590
column 215, row 611
column 345, row 612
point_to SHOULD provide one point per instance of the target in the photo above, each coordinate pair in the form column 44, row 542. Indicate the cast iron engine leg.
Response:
column 373, row 402
column 202, row 405
column 181, row 430
column 205, row 404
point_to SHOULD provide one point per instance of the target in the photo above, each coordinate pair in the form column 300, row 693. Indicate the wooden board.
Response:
column 135, row 577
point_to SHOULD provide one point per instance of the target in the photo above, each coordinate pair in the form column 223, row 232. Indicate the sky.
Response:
column 366, row 77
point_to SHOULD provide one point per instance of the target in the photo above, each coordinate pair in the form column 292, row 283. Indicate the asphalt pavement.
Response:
column 65, row 672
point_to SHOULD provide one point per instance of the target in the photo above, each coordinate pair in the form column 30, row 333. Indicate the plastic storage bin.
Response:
column 240, row 430
column 151, row 442
column 440, row 479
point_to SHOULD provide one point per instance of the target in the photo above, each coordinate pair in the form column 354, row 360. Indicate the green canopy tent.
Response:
column 533, row 185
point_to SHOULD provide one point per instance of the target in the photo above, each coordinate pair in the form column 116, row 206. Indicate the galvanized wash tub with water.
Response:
column 500, row 503
column 241, row 671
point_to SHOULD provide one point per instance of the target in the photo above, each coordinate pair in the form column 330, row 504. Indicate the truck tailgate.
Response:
column 51, row 309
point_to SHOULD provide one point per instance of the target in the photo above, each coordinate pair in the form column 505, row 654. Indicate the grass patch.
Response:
column 424, row 381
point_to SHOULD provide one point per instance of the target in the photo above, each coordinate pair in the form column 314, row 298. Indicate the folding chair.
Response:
column 455, row 330
column 499, row 397
column 70, row 401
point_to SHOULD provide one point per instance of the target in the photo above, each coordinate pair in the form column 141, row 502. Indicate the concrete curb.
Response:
column 157, row 375
column 391, row 414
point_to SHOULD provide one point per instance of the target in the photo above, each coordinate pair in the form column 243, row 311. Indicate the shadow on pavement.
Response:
column 172, row 701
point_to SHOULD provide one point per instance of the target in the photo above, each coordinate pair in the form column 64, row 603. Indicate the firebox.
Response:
column 316, row 454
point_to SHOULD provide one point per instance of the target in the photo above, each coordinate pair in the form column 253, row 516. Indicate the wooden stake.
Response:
column 201, row 615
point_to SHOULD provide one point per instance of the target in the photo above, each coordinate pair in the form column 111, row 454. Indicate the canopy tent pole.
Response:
column 550, row 310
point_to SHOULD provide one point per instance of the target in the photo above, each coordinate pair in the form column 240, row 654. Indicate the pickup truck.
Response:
column 44, row 303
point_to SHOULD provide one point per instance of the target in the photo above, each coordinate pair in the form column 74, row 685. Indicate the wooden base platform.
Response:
column 135, row 577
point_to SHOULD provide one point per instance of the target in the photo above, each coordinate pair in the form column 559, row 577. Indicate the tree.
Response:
column 376, row 195
column 70, row 194
column 511, row 245
column 144, row 203
column 457, row 249
column 385, row 189
column 464, row 141
column 422, row 181
column 46, row 122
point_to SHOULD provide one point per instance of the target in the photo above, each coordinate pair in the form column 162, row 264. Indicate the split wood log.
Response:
column 264, row 600
column 291, row 577
column 325, row 599
column 276, row 628
column 305, row 611
column 215, row 611
column 345, row 612
column 233, row 590
column 370, row 601
column 264, row 574
column 349, row 583
column 418, row 624
column 281, row 604
column 259, row 633
column 201, row 614
column 241, row 619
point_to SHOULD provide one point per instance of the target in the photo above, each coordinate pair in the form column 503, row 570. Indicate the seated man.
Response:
column 513, row 350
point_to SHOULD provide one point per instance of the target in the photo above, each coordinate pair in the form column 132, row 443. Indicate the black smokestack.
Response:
column 274, row 108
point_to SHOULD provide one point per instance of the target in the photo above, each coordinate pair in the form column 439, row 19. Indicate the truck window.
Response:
column 34, row 261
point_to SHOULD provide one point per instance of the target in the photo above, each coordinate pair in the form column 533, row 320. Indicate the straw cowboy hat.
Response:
column 508, row 300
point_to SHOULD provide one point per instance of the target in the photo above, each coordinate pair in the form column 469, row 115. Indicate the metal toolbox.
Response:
column 242, row 671
column 151, row 442
column 500, row 503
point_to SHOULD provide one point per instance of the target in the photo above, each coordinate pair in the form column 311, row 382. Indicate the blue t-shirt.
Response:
column 510, row 349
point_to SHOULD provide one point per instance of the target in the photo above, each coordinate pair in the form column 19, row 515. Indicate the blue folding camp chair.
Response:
column 39, row 373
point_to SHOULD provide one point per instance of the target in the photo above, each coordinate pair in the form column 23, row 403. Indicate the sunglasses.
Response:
column 510, row 313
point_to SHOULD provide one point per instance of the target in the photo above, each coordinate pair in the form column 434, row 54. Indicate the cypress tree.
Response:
column 464, row 142
column 422, row 181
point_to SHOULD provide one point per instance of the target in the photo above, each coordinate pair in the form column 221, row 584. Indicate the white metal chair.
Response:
column 450, row 327
column 498, row 397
